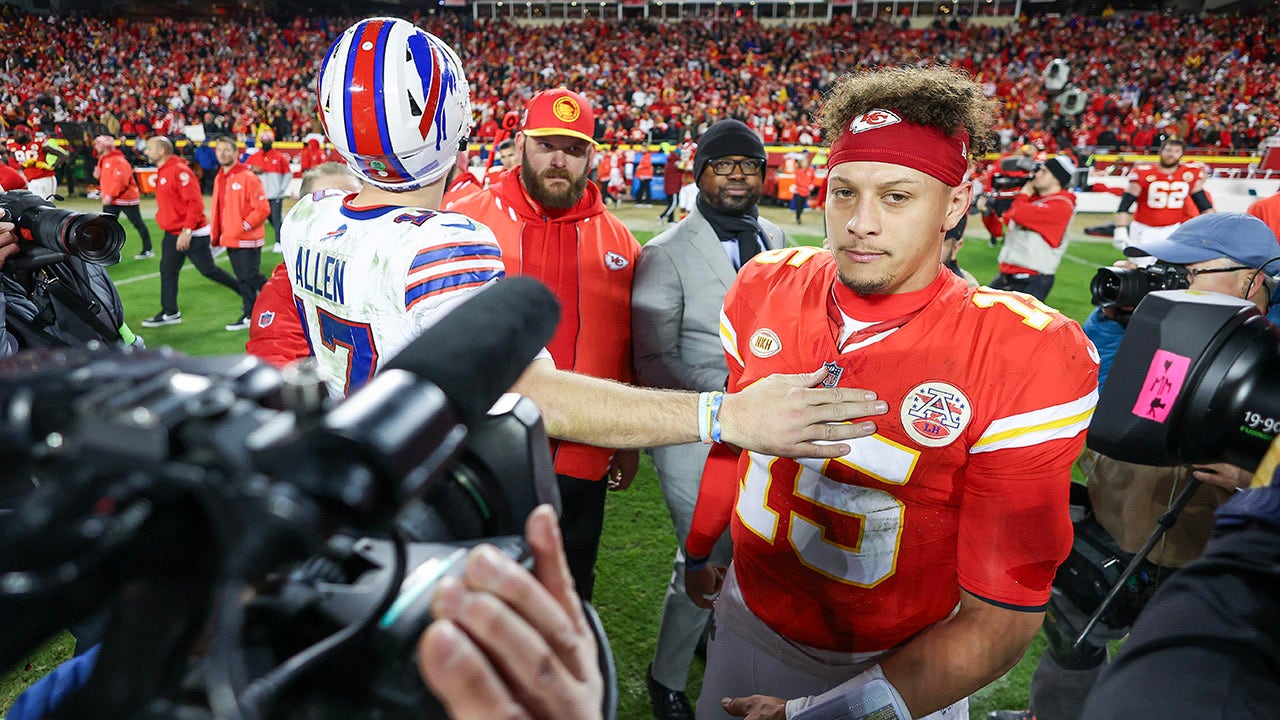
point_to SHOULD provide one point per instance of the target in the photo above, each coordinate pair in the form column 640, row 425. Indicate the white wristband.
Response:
column 864, row 697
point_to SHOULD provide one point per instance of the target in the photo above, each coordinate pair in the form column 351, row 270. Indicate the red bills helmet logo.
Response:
column 935, row 413
column 872, row 120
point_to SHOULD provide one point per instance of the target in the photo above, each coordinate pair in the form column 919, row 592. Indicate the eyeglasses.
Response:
column 1191, row 274
column 726, row 166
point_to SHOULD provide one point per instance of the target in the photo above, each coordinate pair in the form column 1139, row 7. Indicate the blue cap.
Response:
column 1239, row 236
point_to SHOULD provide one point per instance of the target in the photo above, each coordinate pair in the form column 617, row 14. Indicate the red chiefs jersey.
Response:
column 1164, row 195
column 963, row 485
column 30, row 157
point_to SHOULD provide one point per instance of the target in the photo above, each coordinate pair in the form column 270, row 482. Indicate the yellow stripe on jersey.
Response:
column 729, row 338
column 1038, row 426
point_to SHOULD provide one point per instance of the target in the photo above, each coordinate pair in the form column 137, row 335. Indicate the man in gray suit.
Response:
column 680, row 283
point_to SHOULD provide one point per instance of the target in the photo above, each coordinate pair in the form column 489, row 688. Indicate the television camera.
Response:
column 56, row 292
column 261, row 553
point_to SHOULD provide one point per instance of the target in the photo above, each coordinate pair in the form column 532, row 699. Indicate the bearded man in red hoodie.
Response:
column 552, row 225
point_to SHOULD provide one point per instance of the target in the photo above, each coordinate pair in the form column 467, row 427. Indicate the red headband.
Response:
column 883, row 136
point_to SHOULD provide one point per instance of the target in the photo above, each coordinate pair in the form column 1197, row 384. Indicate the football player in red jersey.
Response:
column 31, row 153
column 1160, row 191
column 914, row 570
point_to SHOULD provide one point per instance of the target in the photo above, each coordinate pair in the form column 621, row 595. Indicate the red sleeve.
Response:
column 259, row 209
column 1049, row 216
column 275, row 331
column 716, row 496
column 1015, row 527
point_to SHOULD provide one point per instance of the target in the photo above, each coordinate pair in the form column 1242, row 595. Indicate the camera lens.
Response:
column 1118, row 287
column 95, row 237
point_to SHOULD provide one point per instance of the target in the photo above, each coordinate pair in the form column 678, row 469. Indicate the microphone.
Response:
column 477, row 351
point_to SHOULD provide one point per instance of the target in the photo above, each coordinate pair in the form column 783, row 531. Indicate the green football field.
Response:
column 638, row 544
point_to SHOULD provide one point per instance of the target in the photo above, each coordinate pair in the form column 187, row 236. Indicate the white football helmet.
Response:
column 395, row 103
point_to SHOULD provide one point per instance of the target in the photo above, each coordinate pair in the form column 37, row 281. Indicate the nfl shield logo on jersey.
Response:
column 935, row 413
column 266, row 318
column 834, row 372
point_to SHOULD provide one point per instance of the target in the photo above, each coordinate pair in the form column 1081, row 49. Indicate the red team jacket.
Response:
column 116, row 181
column 1050, row 216
column 1164, row 197
column 179, row 203
column 963, row 485
column 240, row 208
column 587, row 257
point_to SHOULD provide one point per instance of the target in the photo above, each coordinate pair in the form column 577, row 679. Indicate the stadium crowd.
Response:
column 1211, row 79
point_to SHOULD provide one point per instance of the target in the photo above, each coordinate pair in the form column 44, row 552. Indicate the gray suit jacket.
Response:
column 680, row 283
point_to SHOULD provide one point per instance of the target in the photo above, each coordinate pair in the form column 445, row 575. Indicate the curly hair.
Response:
column 941, row 96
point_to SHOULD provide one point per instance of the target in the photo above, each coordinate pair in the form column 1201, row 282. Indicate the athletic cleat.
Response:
column 163, row 319
column 144, row 255
column 241, row 324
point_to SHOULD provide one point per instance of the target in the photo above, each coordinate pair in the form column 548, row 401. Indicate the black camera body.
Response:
column 219, row 500
column 1194, row 381
column 92, row 237
column 55, row 289
column 1124, row 288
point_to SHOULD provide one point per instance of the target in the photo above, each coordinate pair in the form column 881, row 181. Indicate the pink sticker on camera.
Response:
column 1164, row 381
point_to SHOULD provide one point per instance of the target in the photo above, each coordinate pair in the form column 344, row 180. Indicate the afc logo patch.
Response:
column 614, row 261
column 872, row 120
column 765, row 343
column 834, row 372
column 935, row 413
column 266, row 318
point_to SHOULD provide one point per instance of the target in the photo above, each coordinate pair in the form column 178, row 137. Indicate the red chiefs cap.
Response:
column 559, row 112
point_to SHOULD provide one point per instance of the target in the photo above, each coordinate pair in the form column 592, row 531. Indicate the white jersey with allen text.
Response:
column 367, row 280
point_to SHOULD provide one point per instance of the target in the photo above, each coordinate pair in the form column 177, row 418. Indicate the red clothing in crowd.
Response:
column 312, row 155
column 587, row 257
column 115, row 179
column 240, row 209
column 179, row 203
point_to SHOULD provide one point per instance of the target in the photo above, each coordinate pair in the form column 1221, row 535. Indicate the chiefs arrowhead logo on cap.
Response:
column 872, row 120
column 566, row 109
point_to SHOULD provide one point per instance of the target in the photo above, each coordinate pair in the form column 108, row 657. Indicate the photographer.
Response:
column 1215, row 253
column 1001, row 182
column 8, row 246
column 1038, row 220
column 1206, row 644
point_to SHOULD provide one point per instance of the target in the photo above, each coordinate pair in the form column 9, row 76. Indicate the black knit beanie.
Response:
column 727, row 137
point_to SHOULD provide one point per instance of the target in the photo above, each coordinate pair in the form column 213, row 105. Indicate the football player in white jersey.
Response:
column 371, row 270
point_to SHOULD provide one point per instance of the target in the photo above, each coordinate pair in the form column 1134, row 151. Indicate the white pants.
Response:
column 745, row 657
column 45, row 187
column 1139, row 233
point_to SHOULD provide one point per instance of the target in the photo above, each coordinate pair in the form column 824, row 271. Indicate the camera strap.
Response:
column 85, row 308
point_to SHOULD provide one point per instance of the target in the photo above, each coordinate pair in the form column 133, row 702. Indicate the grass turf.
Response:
column 638, row 543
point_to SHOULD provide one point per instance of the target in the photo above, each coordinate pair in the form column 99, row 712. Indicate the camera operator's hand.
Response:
column 510, row 644
column 1223, row 475
column 783, row 415
column 8, row 241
